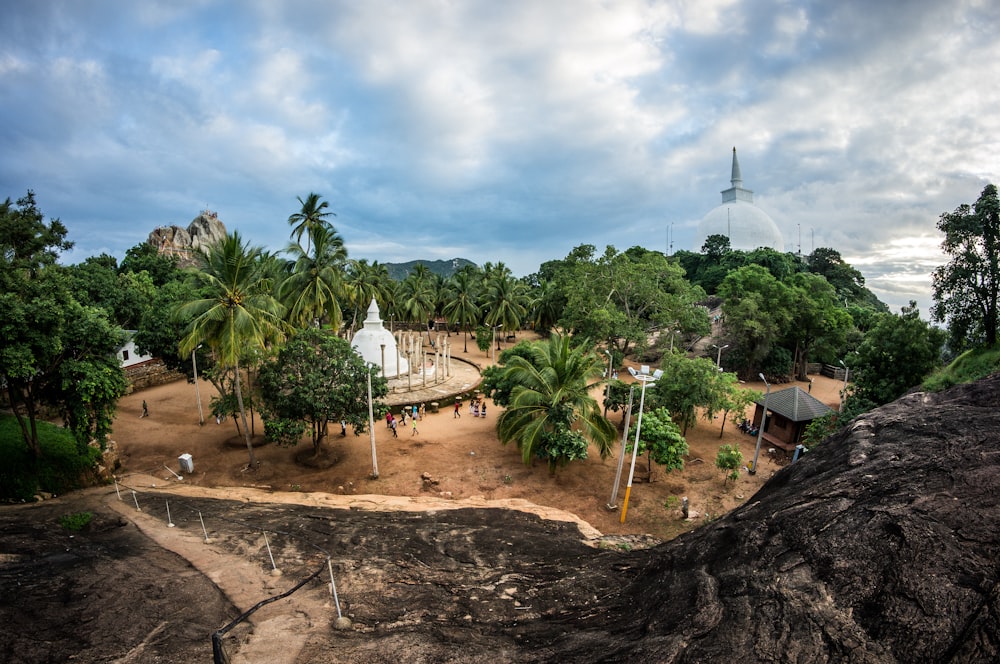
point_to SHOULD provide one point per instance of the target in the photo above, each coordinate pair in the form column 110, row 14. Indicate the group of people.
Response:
column 477, row 407
column 412, row 413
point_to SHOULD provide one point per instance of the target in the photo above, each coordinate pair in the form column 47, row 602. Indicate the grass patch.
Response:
column 967, row 367
column 77, row 521
column 61, row 468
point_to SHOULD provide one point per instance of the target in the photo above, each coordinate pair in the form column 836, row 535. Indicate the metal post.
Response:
column 371, row 423
column 382, row 346
column 612, row 504
column 646, row 379
column 760, row 431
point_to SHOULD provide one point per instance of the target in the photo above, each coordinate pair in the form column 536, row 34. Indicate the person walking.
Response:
column 392, row 425
column 414, row 411
column 145, row 409
column 388, row 419
column 414, row 431
column 458, row 406
column 482, row 409
column 423, row 410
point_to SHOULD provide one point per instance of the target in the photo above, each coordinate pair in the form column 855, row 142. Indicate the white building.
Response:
column 127, row 353
column 369, row 342
column 746, row 225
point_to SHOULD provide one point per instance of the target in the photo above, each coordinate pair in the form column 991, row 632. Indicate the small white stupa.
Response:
column 369, row 340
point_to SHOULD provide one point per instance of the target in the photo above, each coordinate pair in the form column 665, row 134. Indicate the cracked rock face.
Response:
column 879, row 545
column 204, row 231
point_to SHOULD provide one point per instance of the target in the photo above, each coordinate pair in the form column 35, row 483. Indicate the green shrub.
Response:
column 77, row 521
column 61, row 467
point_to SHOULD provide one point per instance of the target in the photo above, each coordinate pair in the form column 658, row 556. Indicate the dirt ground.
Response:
column 462, row 457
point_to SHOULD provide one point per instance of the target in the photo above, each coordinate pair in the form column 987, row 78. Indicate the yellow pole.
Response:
column 635, row 446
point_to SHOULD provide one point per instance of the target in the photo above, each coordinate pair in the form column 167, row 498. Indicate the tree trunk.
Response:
column 243, row 416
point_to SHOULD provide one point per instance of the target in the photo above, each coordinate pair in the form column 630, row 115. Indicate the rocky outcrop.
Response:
column 880, row 545
column 203, row 231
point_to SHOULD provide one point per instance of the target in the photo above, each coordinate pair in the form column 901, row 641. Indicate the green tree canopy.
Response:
column 317, row 378
column 235, row 313
column 551, row 414
column 660, row 440
column 895, row 356
column 967, row 288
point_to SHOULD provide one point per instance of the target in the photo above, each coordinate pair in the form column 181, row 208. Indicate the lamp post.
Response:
column 621, row 457
column 672, row 334
column 382, row 346
column 371, row 423
column 197, row 391
column 718, row 357
column 643, row 377
column 843, row 392
column 760, row 430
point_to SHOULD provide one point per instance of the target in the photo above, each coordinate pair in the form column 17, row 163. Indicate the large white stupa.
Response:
column 369, row 340
column 746, row 225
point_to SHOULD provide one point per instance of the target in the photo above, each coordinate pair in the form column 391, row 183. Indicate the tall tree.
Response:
column 419, row 295
column 758, row 312
column 895, row 355
column 363, row 282
column 504, row 303
column 310, row 216
column 966, row 289
column 313, row 291
column 817, row 317
column 551, row 414
column 461, row 308
column 53, row 351
column 317, row 378
column 238, row 311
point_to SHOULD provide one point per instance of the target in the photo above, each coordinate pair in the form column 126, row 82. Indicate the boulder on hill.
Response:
column 204, row 231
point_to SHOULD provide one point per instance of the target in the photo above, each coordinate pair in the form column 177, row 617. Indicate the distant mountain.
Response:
column 399, row 271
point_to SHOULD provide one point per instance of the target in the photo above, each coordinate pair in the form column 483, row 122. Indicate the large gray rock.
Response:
column 204, row 231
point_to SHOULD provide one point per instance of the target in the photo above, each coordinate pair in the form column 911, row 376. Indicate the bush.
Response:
column 77, row 521
column 61, row 467
column 729, row 459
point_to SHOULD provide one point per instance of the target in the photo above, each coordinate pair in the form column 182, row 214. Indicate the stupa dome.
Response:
column 369, row 340
column 746, row 225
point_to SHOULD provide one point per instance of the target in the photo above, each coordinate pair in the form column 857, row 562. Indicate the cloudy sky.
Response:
column 506, row 131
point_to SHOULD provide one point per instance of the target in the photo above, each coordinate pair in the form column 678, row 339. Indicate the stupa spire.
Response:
column 736, row 192
column 737, row 178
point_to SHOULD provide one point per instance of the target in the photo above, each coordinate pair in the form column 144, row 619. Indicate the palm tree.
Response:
column 551, row 413
column 461, row 306
column 310, row 216
column 418, row 295
column 238, row 312
column 546, row 304
column 312, row 291
column 365, row 281
column 504, row 302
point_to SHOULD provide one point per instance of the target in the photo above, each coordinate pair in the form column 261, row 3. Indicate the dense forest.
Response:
column 764, row 312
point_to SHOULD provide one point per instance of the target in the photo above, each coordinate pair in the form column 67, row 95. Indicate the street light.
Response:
column 672, row 334
column 197, row 392
column 643, row 377
column 760, row 430
column 621, row 457
column 718, row 357
column 382, row 346
column 843, row 392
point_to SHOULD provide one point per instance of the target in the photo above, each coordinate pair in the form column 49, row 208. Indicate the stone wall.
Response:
column 149, row 374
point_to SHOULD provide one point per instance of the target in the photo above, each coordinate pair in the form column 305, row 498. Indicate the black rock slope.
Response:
column 880, row 545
